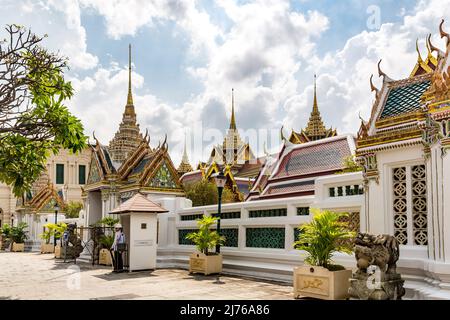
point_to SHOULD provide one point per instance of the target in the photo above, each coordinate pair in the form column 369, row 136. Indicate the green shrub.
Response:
column 323, row 236
column 18, row 233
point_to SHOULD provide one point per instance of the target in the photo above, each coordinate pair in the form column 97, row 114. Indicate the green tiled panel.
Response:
column 265, row 238
column 404, row 99
column 231, row 237
column 182, row 233
column 296, row 233
column 267, row 213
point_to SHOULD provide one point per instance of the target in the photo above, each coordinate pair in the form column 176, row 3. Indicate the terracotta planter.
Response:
column 18, row 247
column 47, row 248
column 58, row 252
column 104, row 257
column 320, row 283
column 201, row 263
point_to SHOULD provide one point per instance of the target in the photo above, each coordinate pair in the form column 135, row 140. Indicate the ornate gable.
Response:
column 95, row 174
column 159, row 171
column 163, row 178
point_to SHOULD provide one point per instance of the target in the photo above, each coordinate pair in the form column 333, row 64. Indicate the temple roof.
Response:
column 294, row 171
column 401, row 107
column 315, row 129
column 128, row 137
column 405, row 98
column 139, row 203
column 184, row 166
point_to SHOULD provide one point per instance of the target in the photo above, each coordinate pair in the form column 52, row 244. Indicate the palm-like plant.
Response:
column 18, row 233
column 205, row 239
column 108, row 221
column 324, row 236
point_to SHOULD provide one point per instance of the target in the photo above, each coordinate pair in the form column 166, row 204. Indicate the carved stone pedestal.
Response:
column 380, row 286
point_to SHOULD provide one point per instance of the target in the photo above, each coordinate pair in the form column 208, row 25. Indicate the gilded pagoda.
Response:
column 128, row 165
column 234, row 157
column 315, row 129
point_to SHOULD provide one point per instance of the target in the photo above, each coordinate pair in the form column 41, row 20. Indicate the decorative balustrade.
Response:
column 345, row 191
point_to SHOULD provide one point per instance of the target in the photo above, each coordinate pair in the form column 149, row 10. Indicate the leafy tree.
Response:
column 350, row 165
column 73, row 209
column 204, row 193
column 33, row 118
column 323, row 236
column 205, row 239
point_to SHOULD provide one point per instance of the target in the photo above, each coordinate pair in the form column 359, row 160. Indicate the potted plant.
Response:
column 49, row 231
column 58, row 231
column 325, row 235
column 204, row 239
column 105, row 257
column 18, row 237
column 5, row 236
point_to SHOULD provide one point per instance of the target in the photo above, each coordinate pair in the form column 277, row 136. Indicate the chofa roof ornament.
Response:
column 381, row 73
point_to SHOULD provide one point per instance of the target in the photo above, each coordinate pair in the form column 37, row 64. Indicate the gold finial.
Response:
column 315, row 105
column 130, row 96
column 443, row 33
column 233, row 120
column 419, row 57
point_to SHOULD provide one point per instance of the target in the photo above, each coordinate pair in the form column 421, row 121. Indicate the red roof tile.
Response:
column 327, row 156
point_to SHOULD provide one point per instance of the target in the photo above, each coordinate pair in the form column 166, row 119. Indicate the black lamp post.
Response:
column 220, row 180
column 56, row 207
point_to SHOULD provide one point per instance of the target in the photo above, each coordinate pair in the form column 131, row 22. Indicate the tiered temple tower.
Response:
column 232, row 142
column 184, row 166
column 128, row 137
column 315, row 128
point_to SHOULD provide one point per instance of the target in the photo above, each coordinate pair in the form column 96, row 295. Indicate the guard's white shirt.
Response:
column 118, row 238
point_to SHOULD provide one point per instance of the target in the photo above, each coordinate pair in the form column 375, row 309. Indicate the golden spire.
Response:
column 315, row 106
column 130, row 96
column 315, row 128
column 233, row 120
column 184, row 166
column 185, row 158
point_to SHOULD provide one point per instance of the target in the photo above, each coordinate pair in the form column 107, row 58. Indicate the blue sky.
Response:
column 187, row 55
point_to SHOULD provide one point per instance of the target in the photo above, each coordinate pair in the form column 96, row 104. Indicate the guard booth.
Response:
column 138, row 217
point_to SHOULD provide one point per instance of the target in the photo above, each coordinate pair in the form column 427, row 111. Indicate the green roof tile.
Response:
column 404, row 99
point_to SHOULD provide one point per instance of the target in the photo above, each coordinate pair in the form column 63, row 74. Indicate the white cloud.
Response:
column 343, row 83
column 60, row 19
column 265, row 52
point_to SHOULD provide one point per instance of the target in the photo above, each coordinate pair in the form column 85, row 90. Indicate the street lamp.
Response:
column 56, row 207
column 220, row 180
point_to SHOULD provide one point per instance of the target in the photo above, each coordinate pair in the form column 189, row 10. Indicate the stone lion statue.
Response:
column 379, row 250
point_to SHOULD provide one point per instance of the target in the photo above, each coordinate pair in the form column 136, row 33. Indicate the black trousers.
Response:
column 117, row 261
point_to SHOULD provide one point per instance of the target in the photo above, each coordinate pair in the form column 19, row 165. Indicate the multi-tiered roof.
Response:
column 128, row 137
column 129, row 163
column 315, row 129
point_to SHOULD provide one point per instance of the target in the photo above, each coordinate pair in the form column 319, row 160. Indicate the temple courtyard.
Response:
column 32, row 275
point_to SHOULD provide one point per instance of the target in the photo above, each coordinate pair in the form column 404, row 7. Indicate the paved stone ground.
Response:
column 40, row 276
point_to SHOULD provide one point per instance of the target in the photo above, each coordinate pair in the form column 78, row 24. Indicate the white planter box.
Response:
column 320, row 283
column 201, row 263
